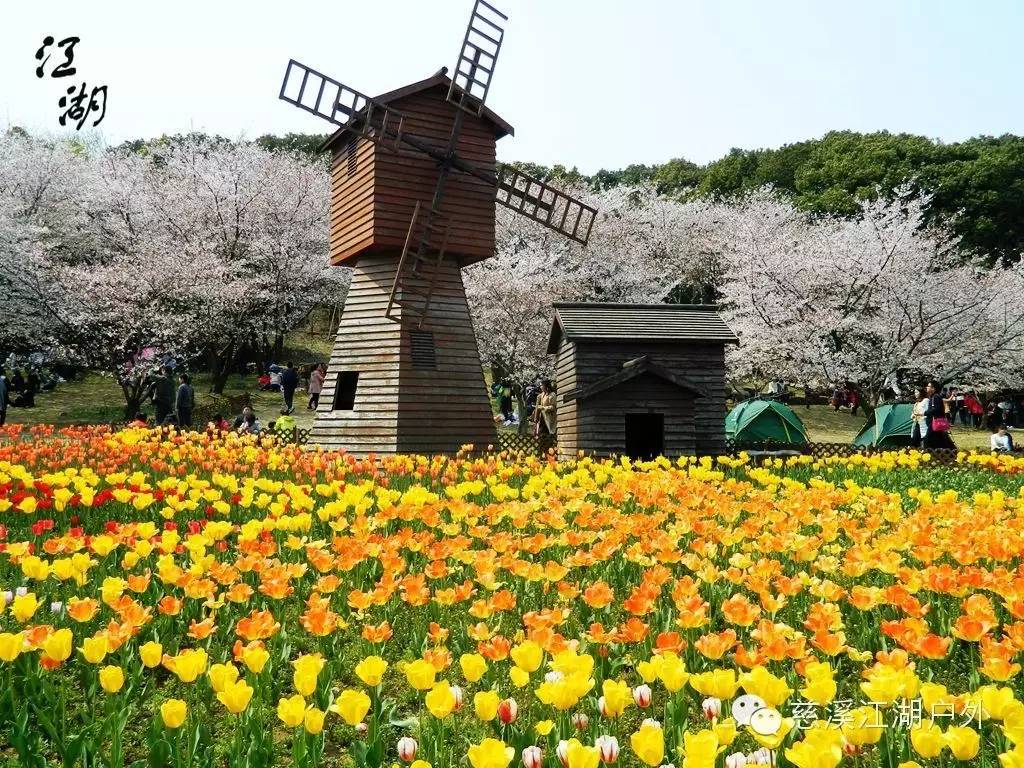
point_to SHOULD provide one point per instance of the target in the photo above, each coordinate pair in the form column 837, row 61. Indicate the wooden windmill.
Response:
column 414, row 182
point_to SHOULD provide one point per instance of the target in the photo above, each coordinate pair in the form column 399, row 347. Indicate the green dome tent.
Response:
column 888, row 426
column 758, row 420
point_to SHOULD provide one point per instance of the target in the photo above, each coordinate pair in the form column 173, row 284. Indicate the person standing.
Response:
column 545, row 410
column 289, row 383
column 973, row 411
column 919, row 428
column 936, row 419
column 316, row 386
column 3, row 397
column 162, row 392
column 185, row 401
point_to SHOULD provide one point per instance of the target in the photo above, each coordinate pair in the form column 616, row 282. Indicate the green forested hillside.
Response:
column 977, row 185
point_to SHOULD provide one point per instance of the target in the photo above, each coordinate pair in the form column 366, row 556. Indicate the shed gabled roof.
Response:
column 630, row 370
column 641, row 322
column 439, row 78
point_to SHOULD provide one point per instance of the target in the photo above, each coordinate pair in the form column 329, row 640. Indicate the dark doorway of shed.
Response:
column 645, row 435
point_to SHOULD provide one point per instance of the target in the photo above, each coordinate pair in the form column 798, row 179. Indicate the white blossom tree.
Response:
column 192, row 248
column 827, row 300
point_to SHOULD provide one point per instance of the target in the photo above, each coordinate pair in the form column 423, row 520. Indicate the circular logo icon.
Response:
column 766, row 721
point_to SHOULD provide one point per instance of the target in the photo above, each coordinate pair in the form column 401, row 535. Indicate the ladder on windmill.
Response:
column 419, row 265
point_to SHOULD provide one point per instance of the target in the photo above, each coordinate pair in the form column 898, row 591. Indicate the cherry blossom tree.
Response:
column 188, row 249
column 860, row 299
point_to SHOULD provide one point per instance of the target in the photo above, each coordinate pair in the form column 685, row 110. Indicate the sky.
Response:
column 586, row 83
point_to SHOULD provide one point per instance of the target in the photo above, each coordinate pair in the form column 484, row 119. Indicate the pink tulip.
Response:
column 712, row 708
column 407, row 748
column 508, row 711
column 533, row 757
column 642, row 696
column 608, row 746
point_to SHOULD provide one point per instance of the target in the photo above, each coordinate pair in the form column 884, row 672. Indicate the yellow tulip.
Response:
column 863, row 725
column 173, row 712
column 313, row 721
column 648, row 671
column 927, row 739
column 11, row 645
column 997, row 702
column 473, row 666
column 519, row 677
column 725, row 730
column 440, row 700
column 352, row 705
column 189, row 665
column 1014, row 759
column 94, row 649
column 580, row 756
column 649, row 744
column 309, row 663
column 111, row 679
column 255, row 658
column 58, row 645
column 963, row 742
column 542, row 727
column 527, row 656
column 151, row 653
column 485, row 704
column 420, row 674
column 291, row 711
column 719, row 683
column 819, row 690
column 490, row 753
column 617, row 696
column 760, row 682
column 24, row 607
column 222, row 675
column 672, row 672
column 805, row 754
column 304, row 681
column 235, row 696
column 371, row 670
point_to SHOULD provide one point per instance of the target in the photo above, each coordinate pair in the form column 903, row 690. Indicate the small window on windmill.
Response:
column 424, row 354
column 345, row 391
column 350, row 157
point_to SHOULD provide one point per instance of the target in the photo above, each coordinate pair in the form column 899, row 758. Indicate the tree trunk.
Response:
column 134, row 392
column 222, row 363
column 524, row 421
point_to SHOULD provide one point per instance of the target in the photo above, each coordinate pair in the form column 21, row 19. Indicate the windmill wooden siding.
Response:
column 419, row 385
column 398, row 407
column 616, row 361
column 372, row 206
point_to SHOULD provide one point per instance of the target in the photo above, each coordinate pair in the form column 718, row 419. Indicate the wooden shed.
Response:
column 640, row 380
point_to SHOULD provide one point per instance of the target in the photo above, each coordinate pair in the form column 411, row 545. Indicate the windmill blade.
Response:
column 544, row 204
column 336, row 103
column 471, row 76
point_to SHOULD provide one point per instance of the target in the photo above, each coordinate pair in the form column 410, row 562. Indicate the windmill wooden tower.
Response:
column 414, row 181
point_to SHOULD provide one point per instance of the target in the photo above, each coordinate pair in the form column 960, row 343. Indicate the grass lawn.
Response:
column 96, row 399
column 824, row 425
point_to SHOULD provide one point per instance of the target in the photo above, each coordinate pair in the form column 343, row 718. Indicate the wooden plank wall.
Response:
column 566, row 433
column 397, row 408
column 704, row 364
column 439, row 411
column 402, row 179
column 367, row 342
column 351, row 222
column 602, row 418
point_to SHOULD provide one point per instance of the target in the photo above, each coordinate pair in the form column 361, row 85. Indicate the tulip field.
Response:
column 196, row 600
